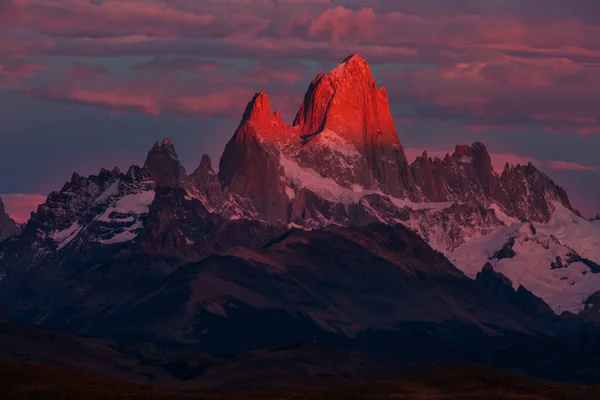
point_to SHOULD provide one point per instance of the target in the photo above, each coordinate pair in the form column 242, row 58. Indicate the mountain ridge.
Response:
column 114, row 241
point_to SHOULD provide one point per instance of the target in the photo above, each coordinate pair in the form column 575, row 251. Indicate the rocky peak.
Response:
column 163, row 165
column 347, row 102
column 206, row 164
column 137, row 174
column 477, row 152
column 465, row 175
column 8, row 227
column 526, row 192
column 259, row 122
column 205, row 180
column 250, row 165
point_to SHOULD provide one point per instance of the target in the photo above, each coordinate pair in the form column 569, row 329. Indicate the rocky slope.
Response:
column 335, row 282
column 103, row 240
column 8, row 227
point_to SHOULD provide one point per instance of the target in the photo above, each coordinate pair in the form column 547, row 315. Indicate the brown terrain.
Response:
column 26, row 380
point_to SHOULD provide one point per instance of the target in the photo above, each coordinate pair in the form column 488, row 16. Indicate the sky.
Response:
column 86, row 84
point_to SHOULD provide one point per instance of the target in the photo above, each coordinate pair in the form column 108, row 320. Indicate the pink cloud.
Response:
column 124, row 98
column 508, row 91
column 571, row 166
column 19, row 68
column 492, row 65
column 19, row 206
column 342, row 23
column 176, row 64
column 206, row 95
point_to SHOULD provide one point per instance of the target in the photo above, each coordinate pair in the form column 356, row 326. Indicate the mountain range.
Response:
column 318, row 229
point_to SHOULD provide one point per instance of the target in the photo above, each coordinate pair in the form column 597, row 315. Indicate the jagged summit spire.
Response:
column 163, row 164
column 258, row 109
column 259, row 121
column 347, row 100
column 354, row 57
column 354, row 65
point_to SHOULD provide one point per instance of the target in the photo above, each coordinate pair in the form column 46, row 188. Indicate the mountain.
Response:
column 331, row 283
column 320, row 227
column 557, row 261
column 8, row 227
column 230, row 285
column 341, row 161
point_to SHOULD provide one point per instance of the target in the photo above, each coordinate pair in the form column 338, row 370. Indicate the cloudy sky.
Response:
column 86, row 84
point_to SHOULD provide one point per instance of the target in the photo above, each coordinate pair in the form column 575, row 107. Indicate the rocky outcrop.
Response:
column 206, row 182
column 164, row 166
column 522, row 299
column 8, row 227
column 465, row 175
column 521, row 192
column 526, row 192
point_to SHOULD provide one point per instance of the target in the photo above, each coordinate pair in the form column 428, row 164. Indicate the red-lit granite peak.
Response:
column 347, row 102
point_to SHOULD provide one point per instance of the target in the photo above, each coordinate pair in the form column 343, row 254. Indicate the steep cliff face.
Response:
column 347, row 103
column 250, row 165
column 164, row 167
column 8, row 227
column 206, row 182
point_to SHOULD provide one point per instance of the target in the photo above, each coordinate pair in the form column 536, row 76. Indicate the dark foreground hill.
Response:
column 23, row 380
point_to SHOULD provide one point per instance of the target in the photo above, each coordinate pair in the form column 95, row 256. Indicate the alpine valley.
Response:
column 318, row 229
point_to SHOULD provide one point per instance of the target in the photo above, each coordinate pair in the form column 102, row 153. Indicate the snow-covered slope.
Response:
column 558, row 261
column 99, row 210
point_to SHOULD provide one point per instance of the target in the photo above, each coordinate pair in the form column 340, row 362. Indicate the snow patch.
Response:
column 291, row 194
column 111, row 191
column 573, row 231
column 502, row 216
column 125, row 236
column 330, row 190
column 215, row 308
column 66, row 236
column 137, row 203
column 335, row 142
column 473, row 255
